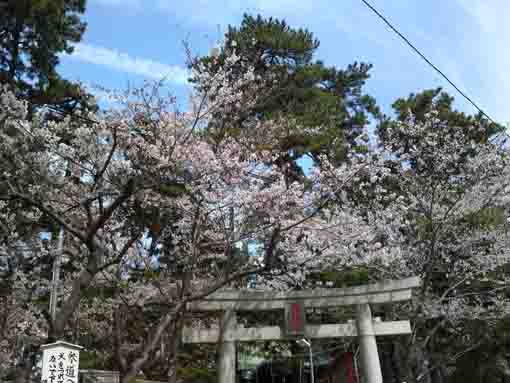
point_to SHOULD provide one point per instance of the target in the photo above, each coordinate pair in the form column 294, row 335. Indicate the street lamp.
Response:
column 305, row 343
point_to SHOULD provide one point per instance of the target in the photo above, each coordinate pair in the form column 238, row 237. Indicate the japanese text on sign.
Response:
column 60, row 363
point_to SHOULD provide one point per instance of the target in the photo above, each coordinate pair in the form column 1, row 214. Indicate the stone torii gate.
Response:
column 365, row 329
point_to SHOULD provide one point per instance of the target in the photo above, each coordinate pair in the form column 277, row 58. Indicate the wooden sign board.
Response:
column 60, row 362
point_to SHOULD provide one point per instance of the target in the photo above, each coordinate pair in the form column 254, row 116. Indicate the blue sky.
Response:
column 128, row 41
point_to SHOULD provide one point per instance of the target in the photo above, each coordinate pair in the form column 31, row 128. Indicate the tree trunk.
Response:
column 387, row 365
column 174, row 352
column 438, row 375
column 172, row 368
column 118, row 326
column 396, row 361
column 150, row 345
column 418, row 365
column 24, row 370
column 69, row 307
column 23, row 374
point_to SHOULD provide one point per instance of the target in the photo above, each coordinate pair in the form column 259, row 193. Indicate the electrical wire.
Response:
column 417, row 51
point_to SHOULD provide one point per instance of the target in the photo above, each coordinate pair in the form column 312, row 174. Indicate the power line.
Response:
column 406, row 40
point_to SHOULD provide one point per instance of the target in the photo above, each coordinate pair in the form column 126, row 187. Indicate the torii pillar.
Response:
column 368, row 345
column 226, row 369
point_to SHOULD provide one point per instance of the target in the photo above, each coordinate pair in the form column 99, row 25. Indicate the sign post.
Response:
column 60, row 362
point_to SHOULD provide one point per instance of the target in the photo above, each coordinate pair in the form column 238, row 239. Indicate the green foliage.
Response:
column 33, row 33
column 272, row 41
column 484, row 363
column 172, row 189
column 193, row 374
column 343, row 278
column 88, row 360
column 94, row 292
column 299, row 88
column 420, row 104
column 424, row 228
column 487, row 218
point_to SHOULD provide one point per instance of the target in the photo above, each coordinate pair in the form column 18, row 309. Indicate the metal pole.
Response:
column 356, row 364
column 311, row 362
column 55, row 281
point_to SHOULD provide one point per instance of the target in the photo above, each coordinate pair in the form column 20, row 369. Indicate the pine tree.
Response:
column 328, row 104
column 32, row 35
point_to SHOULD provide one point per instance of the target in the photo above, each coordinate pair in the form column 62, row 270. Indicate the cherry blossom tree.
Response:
column 446, row 196
column 150, row 206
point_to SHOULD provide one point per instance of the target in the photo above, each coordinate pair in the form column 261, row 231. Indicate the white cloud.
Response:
column 120, row 61
column 479, row 65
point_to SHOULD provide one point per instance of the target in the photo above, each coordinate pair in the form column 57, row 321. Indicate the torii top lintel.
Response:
column 248, row 300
